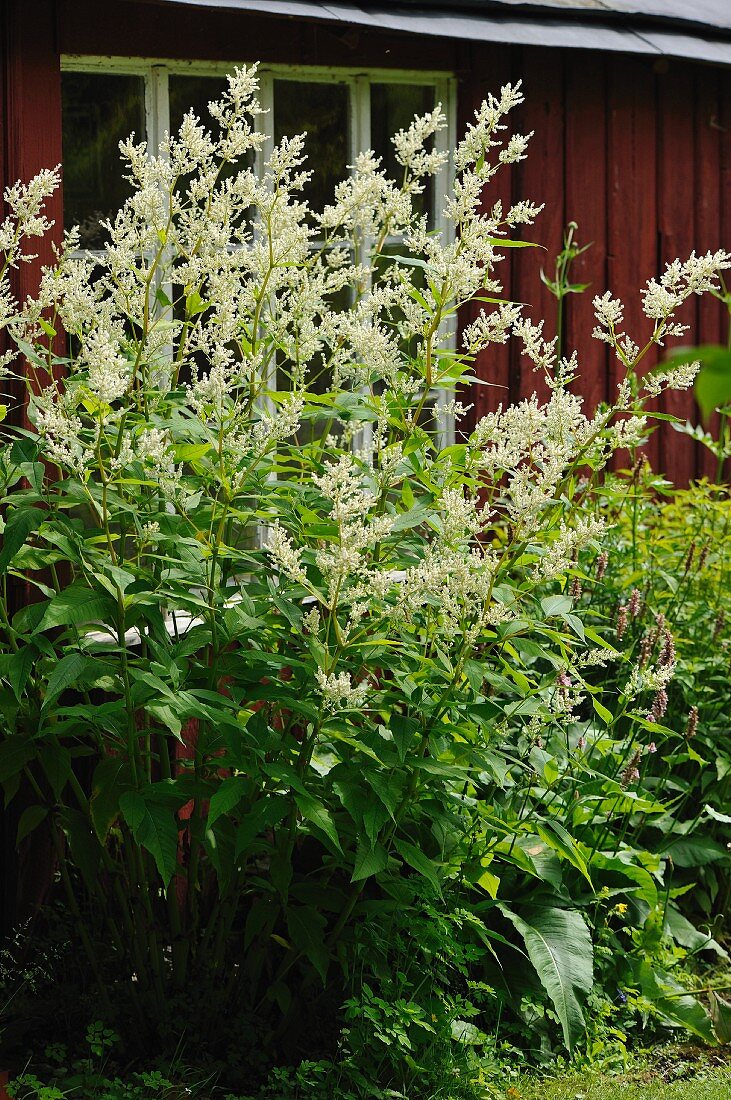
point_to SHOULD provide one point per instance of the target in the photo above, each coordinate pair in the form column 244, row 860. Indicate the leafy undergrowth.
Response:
column 681, row 1072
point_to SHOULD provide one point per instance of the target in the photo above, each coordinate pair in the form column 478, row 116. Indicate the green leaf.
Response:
column 645, row 885
column 69, row 670
column 672, row 1001
column 77, row 605
column 559, row 946
column 265, row 813
column 558, row 605
column 369, row 860
column 20, row 524
column 503, row 242
column 30, row 819
column 694, row 851
column 561, row 841
column 317, row 814
column 687, row 935
column 154, row 827
column 717, row 816
column 15, row 753
column 606, row 715
column 86, row 851
column 713, row 384
column 194, row 304
column 56, row 763
column 16, row 668
column 307, row 932
column 420, row 862
column 112, row 778
column 227, row 796
column 721, row 1015
column 403, row 730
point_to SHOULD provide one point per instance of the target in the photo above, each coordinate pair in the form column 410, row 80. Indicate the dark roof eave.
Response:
column 471, row 25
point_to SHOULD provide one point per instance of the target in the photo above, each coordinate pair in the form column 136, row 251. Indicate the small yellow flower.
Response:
column 620, row 909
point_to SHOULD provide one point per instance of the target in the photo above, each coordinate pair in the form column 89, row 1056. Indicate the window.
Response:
column 343, row 112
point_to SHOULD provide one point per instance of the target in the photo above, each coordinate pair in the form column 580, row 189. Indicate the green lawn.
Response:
column 710, row 1083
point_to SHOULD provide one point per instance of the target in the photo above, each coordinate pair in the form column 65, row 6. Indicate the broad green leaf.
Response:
column 561, row 841
column 720, row 1011
column 15, row 753
column 369, row 860
column 86, row 851
column 112, row 778
column 57, row 766
column 77, row 605
column 559, row 946
column 30, row 819
column 266, row 812
column 606, row 715
column 317, row 814
column 155, row 828
column 558, row 605
column 20, row 523
column 694, row 851
column 490, row 883
column 16, row 667
column 227, row 796
column 420, row 862
column 645, row 885
column 672, row 1001
column 403, row 730
column 687, row 935
column 71, row 669
column 307, row 931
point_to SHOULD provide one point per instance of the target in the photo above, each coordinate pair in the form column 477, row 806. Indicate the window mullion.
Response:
column 157, row 111
column 360, row 140
column 445, row 141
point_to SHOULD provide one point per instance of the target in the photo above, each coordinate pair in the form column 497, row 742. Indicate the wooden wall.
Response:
column 636, row 151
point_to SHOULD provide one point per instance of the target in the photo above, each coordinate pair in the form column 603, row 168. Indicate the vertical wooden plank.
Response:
column 586, row 204
column 487, row 69
column 33, row 120
column 631, row 200
column 712, row 321
column 31, row 83
column 725, row 204
column 540, row 178
column 676, row 185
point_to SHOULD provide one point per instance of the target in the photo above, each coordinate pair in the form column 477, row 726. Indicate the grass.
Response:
column 670, row 1073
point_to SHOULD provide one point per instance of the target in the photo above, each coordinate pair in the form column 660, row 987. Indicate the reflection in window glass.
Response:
column 323, row 111
column 194, row 92
column 98, row 111
column 393, row 107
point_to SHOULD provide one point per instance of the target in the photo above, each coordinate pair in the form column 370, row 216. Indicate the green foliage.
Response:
column 327, row 717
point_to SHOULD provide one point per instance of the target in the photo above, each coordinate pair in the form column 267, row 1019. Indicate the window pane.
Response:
column 99, row 110
column 323, row 110
column 196, row 92
column 393, row 107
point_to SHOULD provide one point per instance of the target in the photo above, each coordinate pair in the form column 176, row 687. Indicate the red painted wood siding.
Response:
column 640, row 158
column 31, row 121
column 638, row 153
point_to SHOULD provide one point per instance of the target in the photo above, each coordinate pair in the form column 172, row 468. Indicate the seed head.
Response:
column 621, row 621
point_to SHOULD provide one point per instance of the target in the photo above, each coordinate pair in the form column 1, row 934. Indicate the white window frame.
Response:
column 155, row 73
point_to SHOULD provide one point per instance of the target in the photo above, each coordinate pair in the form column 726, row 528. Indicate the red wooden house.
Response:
column 629, row 101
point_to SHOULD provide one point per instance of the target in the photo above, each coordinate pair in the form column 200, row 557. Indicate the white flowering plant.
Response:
column 283, row 636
